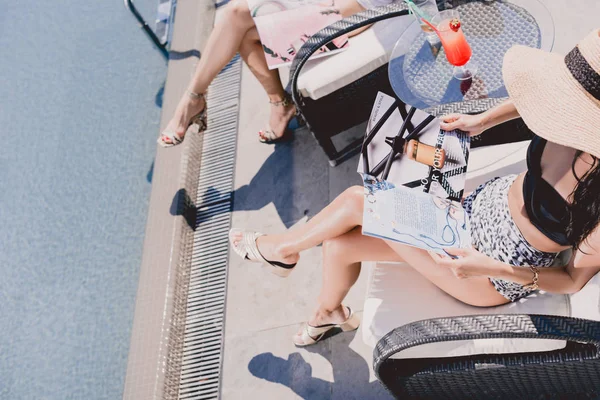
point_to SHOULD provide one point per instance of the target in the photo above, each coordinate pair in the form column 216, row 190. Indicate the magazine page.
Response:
column 283, row 31
column 414, row 218
column 419, row 203
column 265, row 7
column 447, row 181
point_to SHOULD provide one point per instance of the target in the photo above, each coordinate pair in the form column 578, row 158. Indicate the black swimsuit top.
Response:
column 545, row 207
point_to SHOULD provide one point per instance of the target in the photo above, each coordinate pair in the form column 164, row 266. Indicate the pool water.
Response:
column 79, row 88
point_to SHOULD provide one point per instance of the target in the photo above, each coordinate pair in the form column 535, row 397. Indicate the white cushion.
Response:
column 398, row 295
column 489, row 162
column 586, row 303
column 367, row 51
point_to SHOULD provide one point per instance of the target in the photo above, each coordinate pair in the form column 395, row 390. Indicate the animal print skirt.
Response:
column 494, row 233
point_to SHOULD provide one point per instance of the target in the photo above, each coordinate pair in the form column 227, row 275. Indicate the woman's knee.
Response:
column 353, row 200
column 238, row 10
column 335, row 247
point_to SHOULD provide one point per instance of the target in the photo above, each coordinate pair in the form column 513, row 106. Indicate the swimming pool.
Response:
column 79, row 111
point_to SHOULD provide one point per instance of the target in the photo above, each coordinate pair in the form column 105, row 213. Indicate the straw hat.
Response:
column 558, row 97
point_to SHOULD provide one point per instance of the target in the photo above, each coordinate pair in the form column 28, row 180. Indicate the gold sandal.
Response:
column 198, row 119
column 268, row 136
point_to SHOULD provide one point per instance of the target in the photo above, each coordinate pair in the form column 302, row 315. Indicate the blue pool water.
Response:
column 79, row 118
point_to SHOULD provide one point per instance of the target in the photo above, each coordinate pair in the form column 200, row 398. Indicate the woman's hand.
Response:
column 470, row 263
column 472, row 124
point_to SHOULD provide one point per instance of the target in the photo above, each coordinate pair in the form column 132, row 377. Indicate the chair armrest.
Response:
column 335, row 30
column 486, row 327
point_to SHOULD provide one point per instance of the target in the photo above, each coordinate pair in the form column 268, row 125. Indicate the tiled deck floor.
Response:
column 276, row 188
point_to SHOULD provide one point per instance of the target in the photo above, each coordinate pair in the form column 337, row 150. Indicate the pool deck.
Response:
column 277, row 187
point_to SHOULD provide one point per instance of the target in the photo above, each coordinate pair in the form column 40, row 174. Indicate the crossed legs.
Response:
column 337, row 227
column 235, row 32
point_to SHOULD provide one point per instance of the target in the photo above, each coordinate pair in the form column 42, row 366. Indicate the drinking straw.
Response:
column 431, row 26
column 416, row 10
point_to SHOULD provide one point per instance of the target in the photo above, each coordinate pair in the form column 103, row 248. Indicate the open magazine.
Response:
column 285, row 25
column 422, row 206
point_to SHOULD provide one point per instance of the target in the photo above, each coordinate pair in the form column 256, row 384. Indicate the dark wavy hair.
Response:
column 584, row 210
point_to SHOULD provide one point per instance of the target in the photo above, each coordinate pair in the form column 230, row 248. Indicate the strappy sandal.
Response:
column 247, row 249
column 268, row 136
column 199, row 119
column 313, row 334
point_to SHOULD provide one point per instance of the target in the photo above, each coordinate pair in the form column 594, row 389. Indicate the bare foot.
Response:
column 187, row 109
column 279, row 120
column 269, row 250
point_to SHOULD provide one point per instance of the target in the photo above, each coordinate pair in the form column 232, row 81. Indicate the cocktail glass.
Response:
column 458, row 51
column 425, row 9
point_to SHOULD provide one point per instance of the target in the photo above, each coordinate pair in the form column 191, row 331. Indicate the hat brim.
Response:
column 550, row 101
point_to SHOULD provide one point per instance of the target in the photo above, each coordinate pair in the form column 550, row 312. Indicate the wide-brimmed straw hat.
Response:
column 558, row 97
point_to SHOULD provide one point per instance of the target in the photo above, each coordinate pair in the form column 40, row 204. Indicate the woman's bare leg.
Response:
column 342, row 257
column 252, row 53
column 340, row 216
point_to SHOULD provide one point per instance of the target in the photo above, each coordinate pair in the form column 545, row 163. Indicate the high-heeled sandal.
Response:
column 247, row 249
column 268, row 136
column 313, row 334
column 198, row 119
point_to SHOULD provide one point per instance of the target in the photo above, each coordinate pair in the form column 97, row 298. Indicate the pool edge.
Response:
column 175, row 174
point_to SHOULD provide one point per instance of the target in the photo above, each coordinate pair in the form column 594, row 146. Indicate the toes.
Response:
column 236, row 237
column 297, row 338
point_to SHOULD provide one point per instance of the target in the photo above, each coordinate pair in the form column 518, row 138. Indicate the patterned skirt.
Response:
column 494, row 233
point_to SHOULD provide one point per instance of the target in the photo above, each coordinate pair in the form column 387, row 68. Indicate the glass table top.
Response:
column 421, row 76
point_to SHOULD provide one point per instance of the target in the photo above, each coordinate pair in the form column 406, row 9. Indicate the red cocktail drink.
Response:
column 457, row 49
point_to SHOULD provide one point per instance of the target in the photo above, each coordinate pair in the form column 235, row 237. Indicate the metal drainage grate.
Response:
column 205, row 312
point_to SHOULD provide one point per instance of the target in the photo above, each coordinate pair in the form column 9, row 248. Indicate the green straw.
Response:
column 416, row 10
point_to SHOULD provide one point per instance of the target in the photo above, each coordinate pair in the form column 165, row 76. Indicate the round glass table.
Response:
column 421, row 76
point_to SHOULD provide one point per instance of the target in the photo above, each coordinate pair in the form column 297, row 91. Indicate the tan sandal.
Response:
column 247, row 249
column 313, row 334
column 199, row 119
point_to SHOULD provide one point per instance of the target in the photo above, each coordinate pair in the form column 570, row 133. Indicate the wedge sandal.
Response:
column 313, row 334
column 248, row 250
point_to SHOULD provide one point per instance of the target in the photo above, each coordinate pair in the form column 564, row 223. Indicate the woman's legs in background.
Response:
column 234, row 32
column 223, row 43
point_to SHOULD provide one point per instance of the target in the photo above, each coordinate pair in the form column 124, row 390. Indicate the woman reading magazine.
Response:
column 236, row 32
column 519, row 223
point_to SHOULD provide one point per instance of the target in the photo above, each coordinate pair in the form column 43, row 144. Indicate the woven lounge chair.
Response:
column 452, row 357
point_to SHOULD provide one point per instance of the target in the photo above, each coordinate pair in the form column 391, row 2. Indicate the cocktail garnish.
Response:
column 455, row 24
